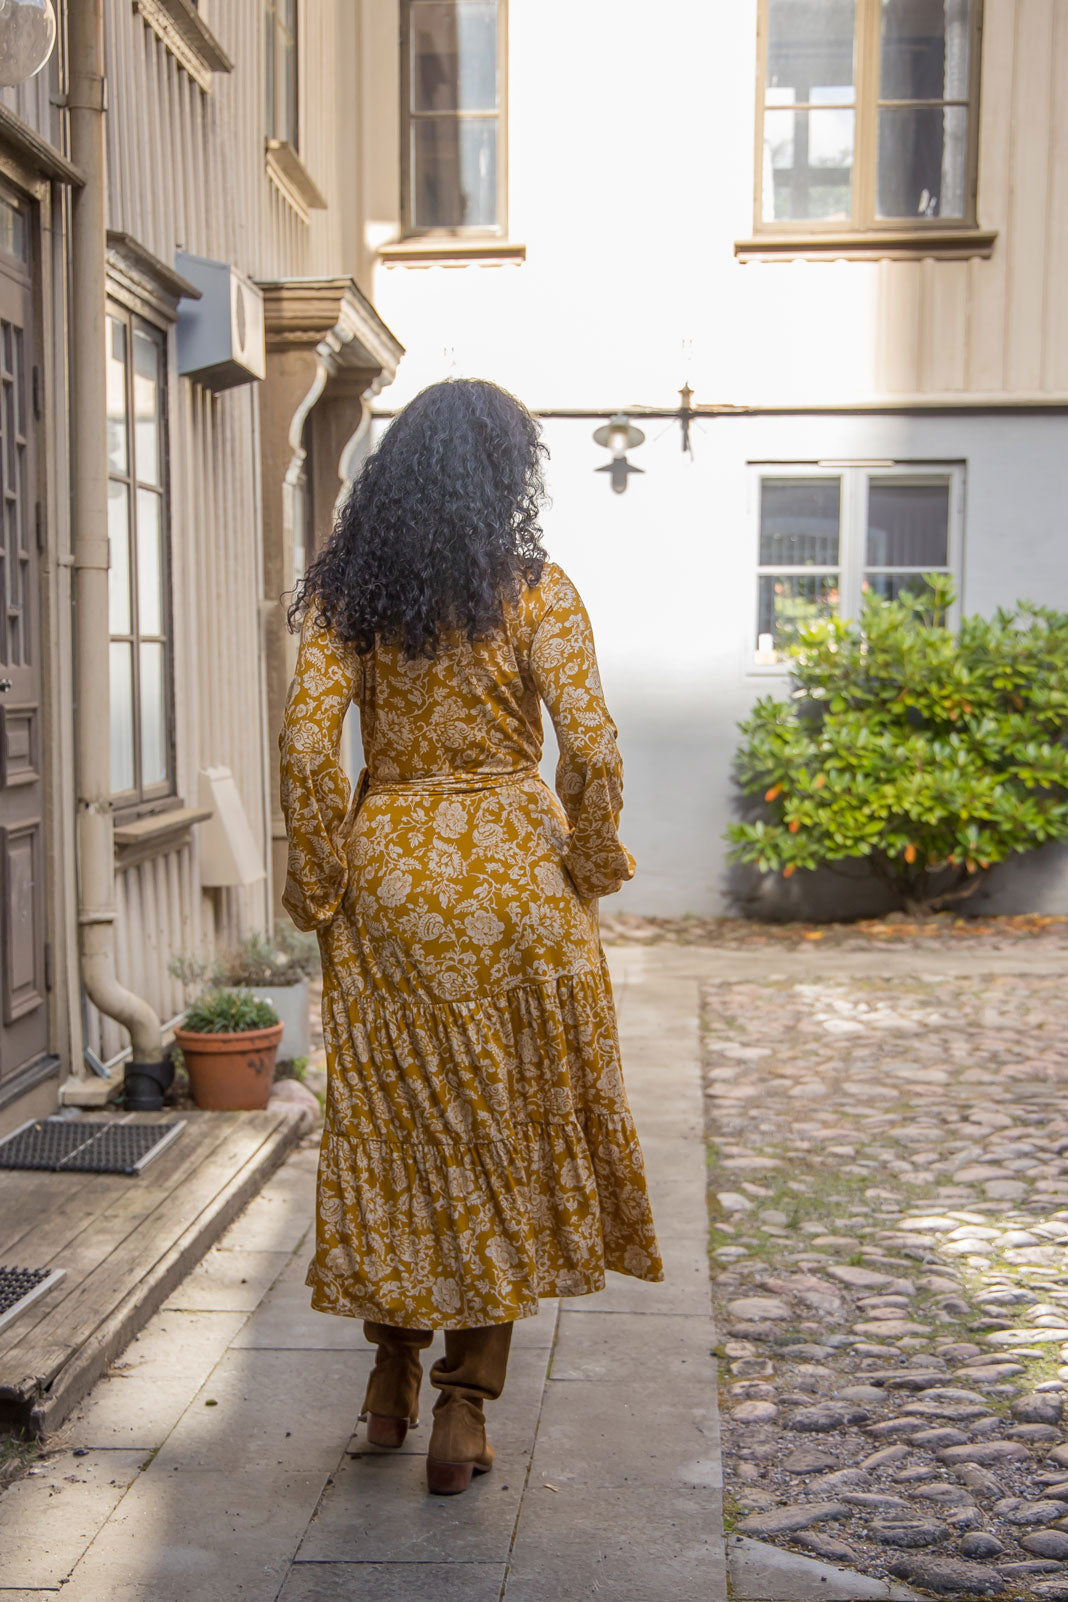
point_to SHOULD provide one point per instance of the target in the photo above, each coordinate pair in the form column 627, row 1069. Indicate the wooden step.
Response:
column 124, row 1243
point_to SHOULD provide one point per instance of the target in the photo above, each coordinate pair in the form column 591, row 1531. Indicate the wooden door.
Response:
column 23, row 1007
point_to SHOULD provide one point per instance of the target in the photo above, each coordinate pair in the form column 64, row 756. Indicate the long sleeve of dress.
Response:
column 315, row 788
column 589, row 775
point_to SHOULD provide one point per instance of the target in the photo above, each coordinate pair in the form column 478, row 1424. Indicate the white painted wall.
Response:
column 631, row 134
column 668, row 572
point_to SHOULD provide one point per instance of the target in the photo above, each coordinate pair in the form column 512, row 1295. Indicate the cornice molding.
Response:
column 190, row 42
column 905, row 244
column 292, row 179
column 332, row 317
column 141, row 273
column 449, row 251
column 37, row 152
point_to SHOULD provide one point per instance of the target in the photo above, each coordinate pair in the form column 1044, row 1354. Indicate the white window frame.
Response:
column 855, row 475
column 143, row 798
column 411, row 230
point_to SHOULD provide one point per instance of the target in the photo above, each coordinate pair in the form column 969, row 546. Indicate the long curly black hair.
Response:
column 440, row 527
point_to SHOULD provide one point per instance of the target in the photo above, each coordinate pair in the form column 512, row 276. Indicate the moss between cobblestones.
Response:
column 984, row 1051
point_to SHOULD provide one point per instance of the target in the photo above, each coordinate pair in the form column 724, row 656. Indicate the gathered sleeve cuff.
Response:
column 314, row 787
column 589, row 775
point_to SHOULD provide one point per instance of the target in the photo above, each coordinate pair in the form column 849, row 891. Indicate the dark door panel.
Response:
column 23, row 903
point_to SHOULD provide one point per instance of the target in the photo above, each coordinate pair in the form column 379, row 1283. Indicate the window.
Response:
column 452, row 71
column 828, row 539
column 281, row 73
column 868, row 114
column 142, row 765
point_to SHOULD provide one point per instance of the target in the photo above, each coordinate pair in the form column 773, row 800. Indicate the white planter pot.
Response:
column 290, row 1002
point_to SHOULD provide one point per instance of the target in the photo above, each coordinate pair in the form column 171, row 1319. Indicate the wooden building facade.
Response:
column 233, row 194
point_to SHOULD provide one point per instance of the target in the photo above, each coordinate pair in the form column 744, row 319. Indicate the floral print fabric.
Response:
column 478, row 1151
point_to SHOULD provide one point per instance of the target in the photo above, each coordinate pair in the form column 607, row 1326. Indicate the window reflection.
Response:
column 454, row 114
column 137, row 521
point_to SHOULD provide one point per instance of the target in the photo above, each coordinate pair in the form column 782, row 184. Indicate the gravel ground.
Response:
column 888, row 1168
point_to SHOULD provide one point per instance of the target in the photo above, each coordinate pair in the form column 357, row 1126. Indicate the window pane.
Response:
column 454, row 55
column 923, row 161
column 810, row 48
column 116, row 395
column 146, row 407
column 925, row 49
column 908, row 525
column 454, row 172
column 122, row 722
column 119, row 569
column 149, row 564
column 892, row 585
column 153, row 716
column 789, row 600
column 799, row 522
column 12, row 230
column 808, row 164
column 289, row 126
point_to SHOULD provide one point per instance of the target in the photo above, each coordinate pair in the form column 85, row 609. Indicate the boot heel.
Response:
column 447, row 1479
column 385, row 1431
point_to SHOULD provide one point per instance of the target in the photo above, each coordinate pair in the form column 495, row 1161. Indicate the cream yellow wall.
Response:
column 631, row 139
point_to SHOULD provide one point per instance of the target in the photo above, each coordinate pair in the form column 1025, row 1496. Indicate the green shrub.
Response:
column 228, row 1012
column 931, row 756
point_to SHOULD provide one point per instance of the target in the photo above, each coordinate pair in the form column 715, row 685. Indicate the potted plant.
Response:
column 275, row 967
column 229, row 1042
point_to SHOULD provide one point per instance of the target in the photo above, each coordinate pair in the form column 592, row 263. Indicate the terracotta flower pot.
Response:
column 229, row 1073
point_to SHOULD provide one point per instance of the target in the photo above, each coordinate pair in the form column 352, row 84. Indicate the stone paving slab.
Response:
column 632, row 1544
column 392, row 1582
column 147, row 1390
column 258, row 1483
column 50, row 1518
column 584, row 1445
column 228, row 1281
column 376, row 1509
column 762, row 1573
column 213, row 1535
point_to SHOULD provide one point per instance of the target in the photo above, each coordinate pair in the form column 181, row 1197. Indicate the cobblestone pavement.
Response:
column 889, row 1179
column 939, row 931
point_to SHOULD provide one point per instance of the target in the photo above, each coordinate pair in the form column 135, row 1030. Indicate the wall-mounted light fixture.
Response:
column 619, row 436
column 27, row 37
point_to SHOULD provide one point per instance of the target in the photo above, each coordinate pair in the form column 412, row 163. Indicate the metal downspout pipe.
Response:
column 96, row 889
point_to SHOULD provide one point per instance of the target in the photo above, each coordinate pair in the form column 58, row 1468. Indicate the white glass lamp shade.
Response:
column 27, row 35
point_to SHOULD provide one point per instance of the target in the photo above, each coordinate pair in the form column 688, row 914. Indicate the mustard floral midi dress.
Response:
column 478, row 1151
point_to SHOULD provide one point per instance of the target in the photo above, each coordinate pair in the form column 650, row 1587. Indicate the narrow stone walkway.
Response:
column 221, row 1458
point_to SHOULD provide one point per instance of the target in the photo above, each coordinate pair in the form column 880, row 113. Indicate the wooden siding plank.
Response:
column 1027, row 239
column 944, row 335
column 1055, row 308
column 900, row 303
column 985, row 368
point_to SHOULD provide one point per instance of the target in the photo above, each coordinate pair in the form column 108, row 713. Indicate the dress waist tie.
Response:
column 470, row 782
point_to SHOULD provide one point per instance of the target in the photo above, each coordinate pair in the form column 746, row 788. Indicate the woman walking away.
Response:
column 478, row 1150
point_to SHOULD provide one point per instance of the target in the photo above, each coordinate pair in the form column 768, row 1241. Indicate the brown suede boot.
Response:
column 392, row 1400
column 472, row 1372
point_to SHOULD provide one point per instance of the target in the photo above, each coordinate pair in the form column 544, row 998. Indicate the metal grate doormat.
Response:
column 75, row 1145
column 21, row 1286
